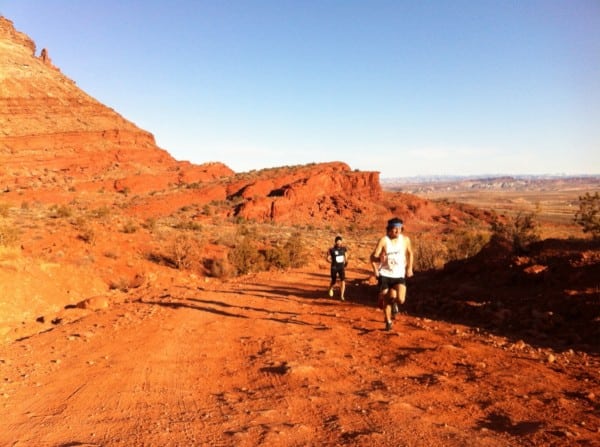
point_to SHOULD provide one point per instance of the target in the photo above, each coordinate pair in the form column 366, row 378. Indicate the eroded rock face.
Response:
column 320, row 191
column 52, row 134
column 54, row 137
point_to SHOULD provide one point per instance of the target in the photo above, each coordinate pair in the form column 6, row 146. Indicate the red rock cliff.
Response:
column 52, row 134
column 315, row 192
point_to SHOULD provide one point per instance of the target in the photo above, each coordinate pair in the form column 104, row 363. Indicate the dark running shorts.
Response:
column 387, row 283
column 338, row 271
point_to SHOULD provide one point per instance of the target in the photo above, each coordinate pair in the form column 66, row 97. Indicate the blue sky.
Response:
column 401, row 87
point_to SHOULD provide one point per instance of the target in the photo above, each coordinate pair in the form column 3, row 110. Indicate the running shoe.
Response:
column 388, row 325
column 330, row 292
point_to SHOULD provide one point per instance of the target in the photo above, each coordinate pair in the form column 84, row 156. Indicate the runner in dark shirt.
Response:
column 338, row 257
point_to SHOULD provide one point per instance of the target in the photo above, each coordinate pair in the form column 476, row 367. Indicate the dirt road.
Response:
column 271, row 360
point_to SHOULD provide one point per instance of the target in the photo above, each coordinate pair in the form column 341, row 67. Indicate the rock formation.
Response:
column 53, row 135
column 323, row 191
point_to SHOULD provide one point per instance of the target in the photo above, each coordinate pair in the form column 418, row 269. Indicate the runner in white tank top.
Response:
column 393, row 258
column 392, row 262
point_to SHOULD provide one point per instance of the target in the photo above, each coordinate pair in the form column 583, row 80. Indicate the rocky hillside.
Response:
column 54, row 135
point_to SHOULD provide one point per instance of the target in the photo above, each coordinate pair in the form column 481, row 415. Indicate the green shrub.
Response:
column 588, row 215
column 521, row 231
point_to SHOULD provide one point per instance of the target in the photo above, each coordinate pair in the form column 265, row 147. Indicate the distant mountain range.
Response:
column 483, row 177
column 431, row 184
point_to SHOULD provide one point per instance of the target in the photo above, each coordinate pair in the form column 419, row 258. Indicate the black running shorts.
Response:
column 386, row 282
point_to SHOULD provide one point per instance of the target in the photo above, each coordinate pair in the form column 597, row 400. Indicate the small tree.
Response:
column 588, row 216
column 520, row 231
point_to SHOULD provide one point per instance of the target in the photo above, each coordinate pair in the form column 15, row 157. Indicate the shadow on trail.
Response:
column 279, row 293
column 179, row 305
column 185, row 303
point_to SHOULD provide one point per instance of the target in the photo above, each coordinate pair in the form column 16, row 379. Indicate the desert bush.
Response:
column 430, row 253
column 276, row 257
column 8, row 235
column 129, row 228
column 98, row 213
column 521, row 230
column 588, row 215
column 296, row 251
column 150, row 224
column 87, row 235
column 189, row 225
column 247, row 231
column 184, row 251
column 111, row 255
column 60, row 211
column 465, row 244
column 245, row 257
column 252, row 255
column 4, row 209
column 218, row 268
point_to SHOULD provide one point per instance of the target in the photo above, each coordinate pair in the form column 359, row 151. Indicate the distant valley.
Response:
column 551, row 198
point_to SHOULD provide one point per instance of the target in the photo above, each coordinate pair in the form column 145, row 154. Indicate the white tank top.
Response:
column 393, row 259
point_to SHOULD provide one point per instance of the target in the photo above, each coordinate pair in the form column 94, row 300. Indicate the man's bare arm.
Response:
column 409, row 258
column 376, row 256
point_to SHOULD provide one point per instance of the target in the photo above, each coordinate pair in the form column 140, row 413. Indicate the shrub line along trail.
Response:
column 270, row 360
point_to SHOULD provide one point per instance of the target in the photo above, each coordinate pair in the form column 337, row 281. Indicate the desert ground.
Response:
column 493, row 350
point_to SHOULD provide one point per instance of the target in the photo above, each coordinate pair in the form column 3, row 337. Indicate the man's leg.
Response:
column 387, row 309
column 342, row 289
column 332, row 282
column 393, row 300
column 401, row 293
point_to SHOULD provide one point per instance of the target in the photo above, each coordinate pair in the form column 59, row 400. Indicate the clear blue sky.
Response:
column 401, row 87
